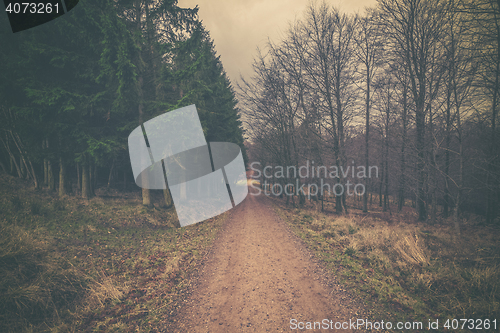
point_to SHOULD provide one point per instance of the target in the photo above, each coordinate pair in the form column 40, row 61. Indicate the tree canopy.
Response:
column 72, row 90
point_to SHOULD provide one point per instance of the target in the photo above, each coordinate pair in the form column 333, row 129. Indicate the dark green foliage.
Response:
column 69, row 96
column 350, row 251
column 58, row 205
column 69, row 90
column 36, row 207
column 17, row 203
column 199, row 78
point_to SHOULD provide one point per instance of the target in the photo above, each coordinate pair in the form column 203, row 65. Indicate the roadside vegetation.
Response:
column 403, row 269
column 100, row 265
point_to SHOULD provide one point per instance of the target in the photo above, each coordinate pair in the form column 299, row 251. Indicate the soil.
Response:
column 259, row 277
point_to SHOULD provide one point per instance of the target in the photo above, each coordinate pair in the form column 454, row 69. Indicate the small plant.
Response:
column 307, row 217
column 328, row 234
column 16, row 203
column 36, row 207
column 58, row 205
column 350, row 251
column 352, row 230
column 317, row 225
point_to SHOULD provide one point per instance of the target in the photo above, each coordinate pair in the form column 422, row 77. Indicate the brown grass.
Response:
column 415, row 270
column 105, row 264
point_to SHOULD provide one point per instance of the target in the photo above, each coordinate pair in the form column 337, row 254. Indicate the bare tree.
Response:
column 415, row 28
column 369, row 51
column 328, row 58
column 461, row 73
column 272, row 103
column 484, row 16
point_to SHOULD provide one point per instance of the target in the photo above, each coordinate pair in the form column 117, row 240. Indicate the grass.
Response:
column 403, row 269
column 106, row 264
column 17, row 203
column 36, row 207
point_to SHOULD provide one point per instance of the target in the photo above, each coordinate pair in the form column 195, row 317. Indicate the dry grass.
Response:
column 37, row 285
column 416, row 270
column 105, row 289
column 105, row 264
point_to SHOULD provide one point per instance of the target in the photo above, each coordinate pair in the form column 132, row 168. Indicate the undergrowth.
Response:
column 105, row 264
column 406, row 270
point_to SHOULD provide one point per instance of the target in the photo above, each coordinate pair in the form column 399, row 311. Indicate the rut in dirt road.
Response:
column 258, row 278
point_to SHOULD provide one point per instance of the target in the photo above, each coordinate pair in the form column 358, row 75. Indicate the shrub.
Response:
column 58, row 205
column 328, row 234
column 16, row 203
column 350, row 251
column 35, row 207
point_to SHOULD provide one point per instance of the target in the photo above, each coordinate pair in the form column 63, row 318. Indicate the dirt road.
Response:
column 259, row 278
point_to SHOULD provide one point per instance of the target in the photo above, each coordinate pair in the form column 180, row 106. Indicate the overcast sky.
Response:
column 238, row 27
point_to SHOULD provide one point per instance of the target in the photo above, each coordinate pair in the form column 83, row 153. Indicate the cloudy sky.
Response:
column 238, row 27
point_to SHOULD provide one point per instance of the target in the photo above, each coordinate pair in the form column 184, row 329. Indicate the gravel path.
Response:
column 258, row 278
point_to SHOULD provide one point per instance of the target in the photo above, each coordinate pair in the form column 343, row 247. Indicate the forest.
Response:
column 411, row 87
column 400, row 100
column 73, row 90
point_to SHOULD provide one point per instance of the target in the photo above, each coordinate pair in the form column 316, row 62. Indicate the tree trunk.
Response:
column 381, row 186
column 92, row 178
column 402, row 178
column 168, row 198
column 51, row 176
column 456, row 219
column 18, row 167
column 421, row 202
column 493, row 165
column 51, row 181
column 78, row 175
column 67, row 181
column 62, row 178
column 21, row 167
column 124, row 180
column 386, row 157
column 45, row 172
column 45, row 165
column 386, row 186
column 13, row 161
column 110, row 177
column 446, row 205
column 302, row 198
column 367, row 136
column 146, row 196
column 461, row 166
column 338, row 200
column 85, row 181
column 344, row 202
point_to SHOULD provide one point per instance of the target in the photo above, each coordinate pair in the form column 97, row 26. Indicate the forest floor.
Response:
column 109, row 264
column 404, row 270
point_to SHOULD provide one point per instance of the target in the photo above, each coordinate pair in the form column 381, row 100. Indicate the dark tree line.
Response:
column 72, row 90
column 410, row 86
